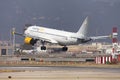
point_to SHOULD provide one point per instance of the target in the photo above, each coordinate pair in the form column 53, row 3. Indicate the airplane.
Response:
column 64, row 38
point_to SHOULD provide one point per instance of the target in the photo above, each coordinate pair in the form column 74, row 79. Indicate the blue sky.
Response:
column 59, row 14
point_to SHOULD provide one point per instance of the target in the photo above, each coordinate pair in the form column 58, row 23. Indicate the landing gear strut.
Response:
column 64, row 48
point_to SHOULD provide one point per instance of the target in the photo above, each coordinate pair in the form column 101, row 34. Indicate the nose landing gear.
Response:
column 43, row 47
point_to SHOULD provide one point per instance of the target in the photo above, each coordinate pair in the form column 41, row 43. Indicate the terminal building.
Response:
column 6, row 48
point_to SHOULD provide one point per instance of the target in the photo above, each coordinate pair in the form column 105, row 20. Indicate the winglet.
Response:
column 13, row 31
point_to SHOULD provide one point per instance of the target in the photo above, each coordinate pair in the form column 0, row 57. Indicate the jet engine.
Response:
column 29, row 40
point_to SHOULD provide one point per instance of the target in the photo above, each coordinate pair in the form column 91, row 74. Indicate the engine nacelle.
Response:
column 29, row 40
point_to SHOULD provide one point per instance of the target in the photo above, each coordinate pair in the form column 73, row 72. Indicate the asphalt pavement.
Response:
column 60, row 73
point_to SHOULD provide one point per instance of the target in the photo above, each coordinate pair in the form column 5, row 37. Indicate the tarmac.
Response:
column 59, row 73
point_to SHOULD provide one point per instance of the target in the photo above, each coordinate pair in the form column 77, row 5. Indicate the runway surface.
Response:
column 61, row 73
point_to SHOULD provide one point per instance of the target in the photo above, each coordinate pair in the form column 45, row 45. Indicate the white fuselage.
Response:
column 56, row 36
column 34, row 33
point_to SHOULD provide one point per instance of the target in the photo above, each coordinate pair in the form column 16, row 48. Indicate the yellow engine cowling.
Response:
column 29, row 40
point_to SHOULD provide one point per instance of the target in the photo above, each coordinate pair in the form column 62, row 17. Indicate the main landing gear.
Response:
column 43, row 47
column 64, row 48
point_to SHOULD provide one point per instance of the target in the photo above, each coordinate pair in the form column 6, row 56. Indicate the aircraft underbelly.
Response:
column 62, row 40
column 67, row 41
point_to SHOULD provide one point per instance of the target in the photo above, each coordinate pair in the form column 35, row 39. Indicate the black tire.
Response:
column 64, row 48
column 43, row 48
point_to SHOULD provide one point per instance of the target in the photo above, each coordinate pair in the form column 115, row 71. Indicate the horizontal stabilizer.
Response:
column 99, row 37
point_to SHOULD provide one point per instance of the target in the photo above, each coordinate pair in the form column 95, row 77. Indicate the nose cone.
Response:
column 26, row 32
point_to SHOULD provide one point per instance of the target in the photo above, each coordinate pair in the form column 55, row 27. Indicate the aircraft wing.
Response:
column 99, row 37
column 16, row 33
column 19, row 34
column 46, row 39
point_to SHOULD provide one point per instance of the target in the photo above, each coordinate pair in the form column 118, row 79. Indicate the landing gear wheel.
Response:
column 64, row 48
column 43, row 48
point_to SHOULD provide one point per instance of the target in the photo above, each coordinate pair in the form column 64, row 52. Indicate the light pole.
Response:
column 13, row 40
